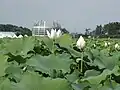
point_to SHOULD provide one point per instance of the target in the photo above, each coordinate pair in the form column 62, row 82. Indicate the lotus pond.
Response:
column 40, row 63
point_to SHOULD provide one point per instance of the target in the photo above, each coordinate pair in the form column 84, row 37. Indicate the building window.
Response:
column 39, row 31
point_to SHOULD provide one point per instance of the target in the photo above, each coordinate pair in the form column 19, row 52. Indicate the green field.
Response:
column 39, row 63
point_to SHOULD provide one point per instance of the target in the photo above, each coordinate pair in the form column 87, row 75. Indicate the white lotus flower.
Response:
column 80, row 43
column 106, row 44
column 20, row 36
column 59, row 33
column 117, row 46
column 51, row 35
column 54, row 34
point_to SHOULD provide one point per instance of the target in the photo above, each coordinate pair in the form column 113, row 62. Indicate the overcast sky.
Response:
column 75, row 15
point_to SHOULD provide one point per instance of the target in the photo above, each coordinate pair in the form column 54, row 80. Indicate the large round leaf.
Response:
column 32, row 81
column 49, row 42
column 20, row 46
column 65, row 40
column 48, row 63
column 97, row 79
column 14, row 72
column 103, row 60
column 73, row 77
column 6, row 85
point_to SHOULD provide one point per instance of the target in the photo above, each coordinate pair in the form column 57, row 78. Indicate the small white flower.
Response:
column 116, row 46
column 54, row 34
column 106, row 44
column 80, row 43
column 94, row 45
column 89, row 36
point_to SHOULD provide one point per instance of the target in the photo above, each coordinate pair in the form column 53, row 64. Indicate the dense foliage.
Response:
column 111, row 29
column 16, row 29
column 39, row 63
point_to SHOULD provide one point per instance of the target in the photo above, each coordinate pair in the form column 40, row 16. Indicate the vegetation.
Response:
column 111, row 29
column 40, row 63
column 102, row 31
column 16, row 29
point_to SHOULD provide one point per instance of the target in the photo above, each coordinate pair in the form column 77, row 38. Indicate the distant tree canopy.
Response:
column 98, row 30
column 16, row 29
column 87, row 31
column 110, row 29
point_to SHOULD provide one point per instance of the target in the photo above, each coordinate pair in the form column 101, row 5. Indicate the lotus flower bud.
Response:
column 80, row 43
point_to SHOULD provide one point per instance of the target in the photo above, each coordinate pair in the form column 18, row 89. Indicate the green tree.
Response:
column 16, row 29
column 112, row 28
column 87, row 31
column 98, row 30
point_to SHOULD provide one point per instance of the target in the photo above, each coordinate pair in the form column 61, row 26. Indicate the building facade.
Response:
column 39, row 29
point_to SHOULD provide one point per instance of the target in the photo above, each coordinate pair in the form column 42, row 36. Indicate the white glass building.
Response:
column 7, row 34
column 39, row 29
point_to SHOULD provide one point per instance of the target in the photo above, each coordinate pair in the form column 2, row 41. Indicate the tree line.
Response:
column 13, row 28
column 111, row 29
